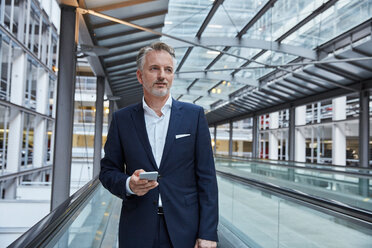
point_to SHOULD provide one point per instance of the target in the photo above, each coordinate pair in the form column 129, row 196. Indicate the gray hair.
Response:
column 156, row 46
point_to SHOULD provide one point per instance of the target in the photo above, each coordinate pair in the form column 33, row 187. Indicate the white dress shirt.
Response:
column 157, row 128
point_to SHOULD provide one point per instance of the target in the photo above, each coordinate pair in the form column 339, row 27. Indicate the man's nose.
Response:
column 161, row 74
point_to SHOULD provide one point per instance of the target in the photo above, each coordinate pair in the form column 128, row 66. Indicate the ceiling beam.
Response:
column 119, row 5
column 248, row 43
column 129, row 32
column 259, row 14
column 146, row 38
column 215, row 76
column 132, row 18
column 121, row 61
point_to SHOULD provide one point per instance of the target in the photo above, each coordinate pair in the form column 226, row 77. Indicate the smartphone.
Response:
column 151, row 175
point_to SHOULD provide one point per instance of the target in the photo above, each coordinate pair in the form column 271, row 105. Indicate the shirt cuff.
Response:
column 129, row 191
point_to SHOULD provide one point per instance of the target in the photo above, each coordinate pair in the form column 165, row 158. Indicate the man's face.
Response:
column 157, row 75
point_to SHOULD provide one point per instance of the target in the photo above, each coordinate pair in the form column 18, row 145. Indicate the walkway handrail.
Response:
column 46, row 228
column 363, row 172
column 338, row 209
column 9, row 176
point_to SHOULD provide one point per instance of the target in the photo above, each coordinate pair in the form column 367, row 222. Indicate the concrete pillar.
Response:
column 300, row 140
column 273, row 138
column 98, row 126
column 338, row 132
column 255, row 142
column 291, row 134
column 42, row 98
column 364, row 133
column 65, row 108
column 230, row 138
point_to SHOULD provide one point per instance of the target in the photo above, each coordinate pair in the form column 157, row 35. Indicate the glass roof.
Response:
column 305, row 24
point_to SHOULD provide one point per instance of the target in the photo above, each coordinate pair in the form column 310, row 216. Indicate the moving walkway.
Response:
column 261, row 204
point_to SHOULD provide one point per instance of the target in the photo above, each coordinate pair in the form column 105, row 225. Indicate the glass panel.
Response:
column 48, row 140
column 242, row 138
column 54, row 52
column 199, row 59
column 328, row 182
column 99, row 219
column 344, row 15
column 4, row 130
column 231, row 17
column 52, row 96
column 28, row 139
column 30, row 93
column 5, row 69
column 281, row 18
column 34, row 29
column 10, row 15
column 222, row 144
column 261, row 219
column 45, row 42
column 185, row 17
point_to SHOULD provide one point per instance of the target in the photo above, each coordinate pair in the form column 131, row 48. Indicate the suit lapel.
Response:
column 139, row 123
column 174, row 122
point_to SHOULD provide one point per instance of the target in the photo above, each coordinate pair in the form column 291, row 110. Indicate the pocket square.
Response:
column 182, row 135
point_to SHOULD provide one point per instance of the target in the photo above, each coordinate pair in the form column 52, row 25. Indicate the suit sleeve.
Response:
column 206, row 181
column 112, row 175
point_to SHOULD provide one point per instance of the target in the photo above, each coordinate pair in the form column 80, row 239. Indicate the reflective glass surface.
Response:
column 261, row 219
column 95, row 224
column 335, row 183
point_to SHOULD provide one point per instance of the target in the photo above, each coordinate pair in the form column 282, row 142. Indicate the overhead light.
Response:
column 88, row 50
column 219, row 91
column 214, row 26
column 168, row 23
column 213, row 52
column 228, row 84
column 55, row 68
column 107, row 111
column 223, row 82
column 214, row 90
column 112, row 98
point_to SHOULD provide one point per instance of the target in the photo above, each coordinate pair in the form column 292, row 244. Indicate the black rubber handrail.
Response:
column 45, row 229
column 338, row 209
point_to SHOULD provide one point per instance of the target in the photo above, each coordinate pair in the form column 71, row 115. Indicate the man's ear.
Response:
column 139, row 76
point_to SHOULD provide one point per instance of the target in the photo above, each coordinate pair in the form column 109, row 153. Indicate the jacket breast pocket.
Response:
column 184, row 139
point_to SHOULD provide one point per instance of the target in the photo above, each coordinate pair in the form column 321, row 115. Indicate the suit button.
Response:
column 155, row 203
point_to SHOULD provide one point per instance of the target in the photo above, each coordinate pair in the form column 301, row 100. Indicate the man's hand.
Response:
column 202, row 243
column 141, row 186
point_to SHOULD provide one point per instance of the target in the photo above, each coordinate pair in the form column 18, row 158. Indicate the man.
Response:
column 161, row 134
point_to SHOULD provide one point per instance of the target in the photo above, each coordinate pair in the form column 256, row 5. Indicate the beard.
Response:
column 159, row 92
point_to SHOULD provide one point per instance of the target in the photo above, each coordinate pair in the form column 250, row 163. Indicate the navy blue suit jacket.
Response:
column 187, row 182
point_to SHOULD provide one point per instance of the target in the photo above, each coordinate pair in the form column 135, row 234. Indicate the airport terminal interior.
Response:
column 285, row 86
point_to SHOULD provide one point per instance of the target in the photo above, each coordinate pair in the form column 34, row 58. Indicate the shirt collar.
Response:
column 167, row 106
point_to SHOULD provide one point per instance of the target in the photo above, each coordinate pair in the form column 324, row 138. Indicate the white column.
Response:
column 338, row 134
column 42, row 98
column 273, row 139
column 240, row 147
column 16, row 117
column 300, row 149
column 14, row 150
